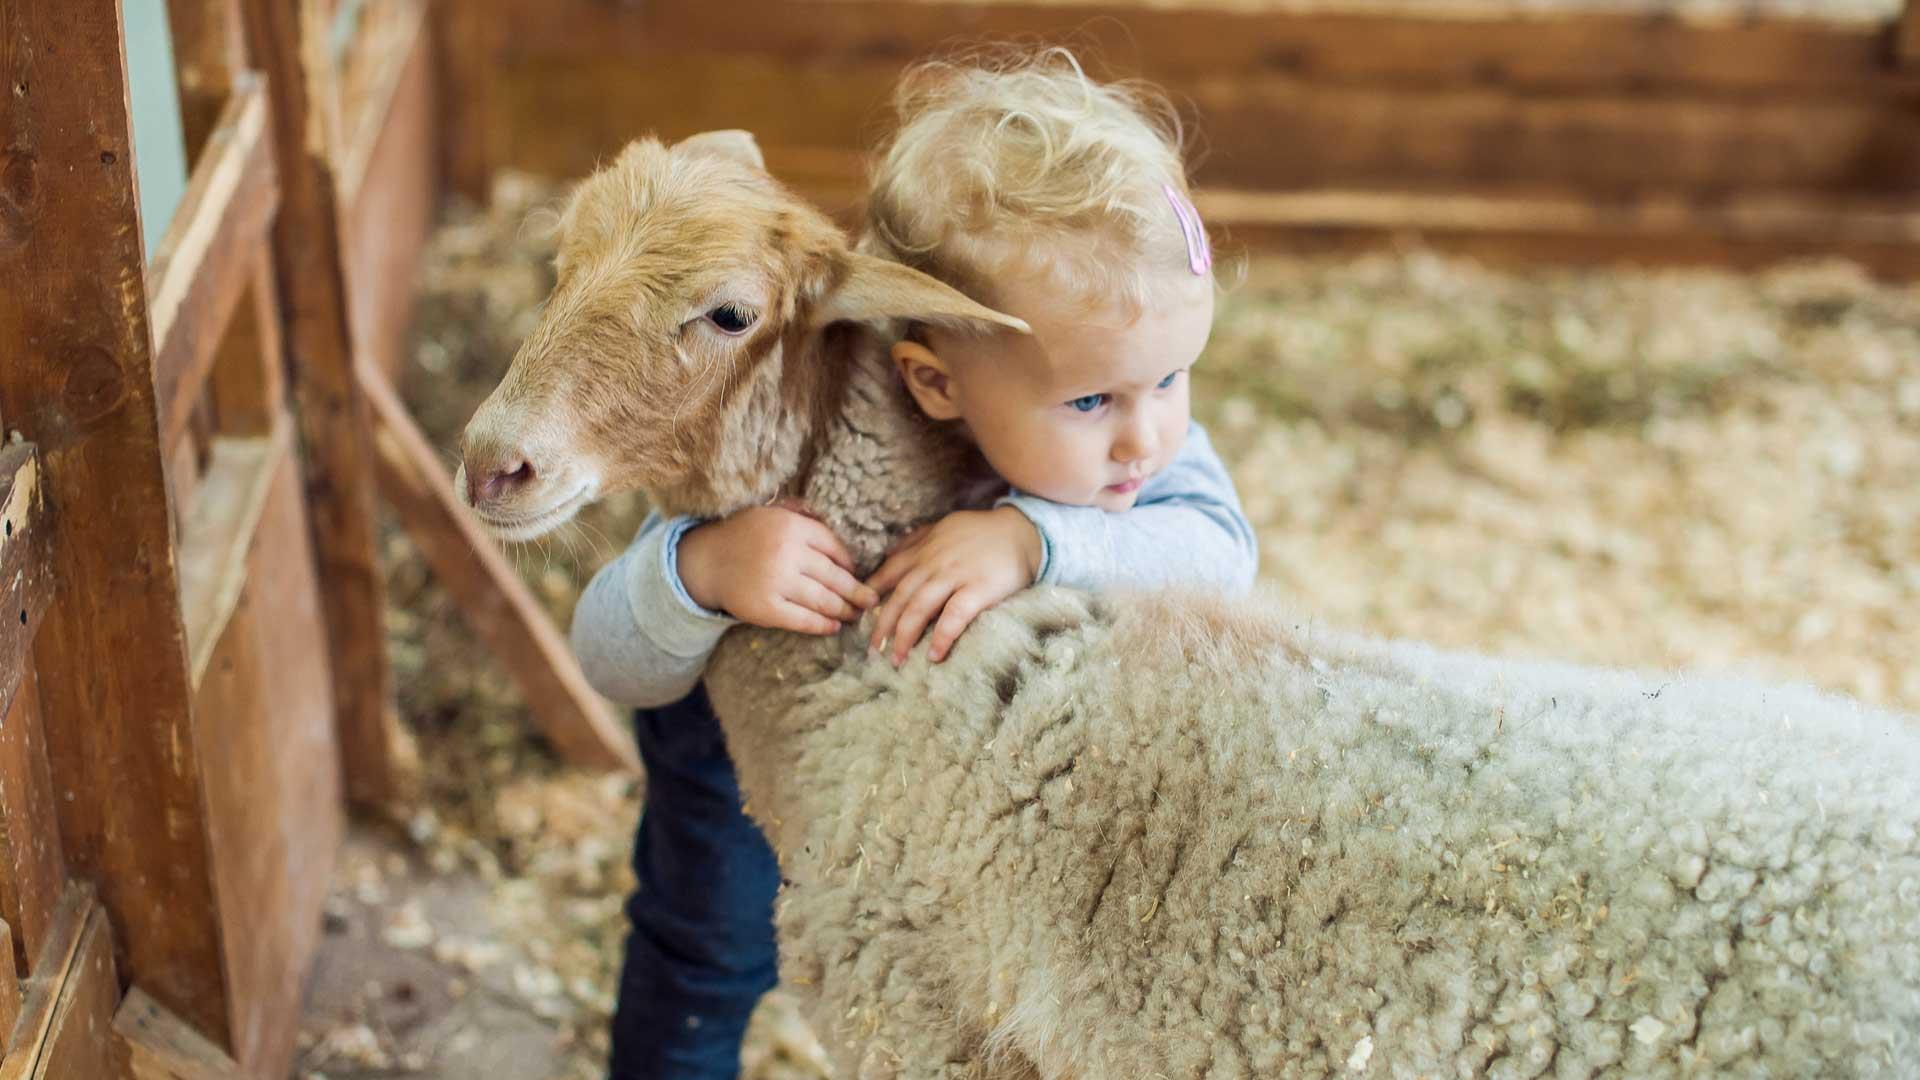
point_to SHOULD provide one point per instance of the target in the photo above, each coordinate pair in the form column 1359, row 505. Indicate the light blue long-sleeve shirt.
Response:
column 642, row 639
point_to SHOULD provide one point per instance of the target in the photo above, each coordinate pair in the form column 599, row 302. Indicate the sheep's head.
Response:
column 681, row 352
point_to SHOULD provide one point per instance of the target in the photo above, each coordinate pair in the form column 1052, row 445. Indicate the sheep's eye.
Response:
column 732, row 319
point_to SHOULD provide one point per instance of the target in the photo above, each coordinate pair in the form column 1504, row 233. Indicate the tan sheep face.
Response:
column 656, row 361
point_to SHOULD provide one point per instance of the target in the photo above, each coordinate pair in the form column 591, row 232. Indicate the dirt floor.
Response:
column 1646, row 469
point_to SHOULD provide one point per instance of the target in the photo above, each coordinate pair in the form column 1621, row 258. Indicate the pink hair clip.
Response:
column 1199, row 255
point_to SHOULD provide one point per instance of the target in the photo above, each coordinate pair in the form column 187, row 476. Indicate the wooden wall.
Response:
column 1554, row 134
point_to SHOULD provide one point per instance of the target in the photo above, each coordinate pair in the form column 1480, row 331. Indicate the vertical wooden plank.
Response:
column 208, row 51
column 33, row 868
column 289, row 45
column 78, row 380
column 1908, row 34
column 466, row 40
column 247, row 385
column 273, row 788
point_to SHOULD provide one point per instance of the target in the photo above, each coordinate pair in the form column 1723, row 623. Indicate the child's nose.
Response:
column 1136, row 442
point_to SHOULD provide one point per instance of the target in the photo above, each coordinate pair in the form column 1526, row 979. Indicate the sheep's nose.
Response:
column 493, row 479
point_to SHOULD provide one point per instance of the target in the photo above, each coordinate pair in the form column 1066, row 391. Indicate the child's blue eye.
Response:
column 1168, row 381
column 1087, row 403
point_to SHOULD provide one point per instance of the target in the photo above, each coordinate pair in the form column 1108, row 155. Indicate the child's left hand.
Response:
column 956, row 568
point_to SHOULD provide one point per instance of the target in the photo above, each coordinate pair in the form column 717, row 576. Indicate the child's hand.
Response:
column 962, row 565
column 774, row 567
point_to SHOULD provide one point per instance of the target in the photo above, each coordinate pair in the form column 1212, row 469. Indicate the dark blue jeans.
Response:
column 701, row 949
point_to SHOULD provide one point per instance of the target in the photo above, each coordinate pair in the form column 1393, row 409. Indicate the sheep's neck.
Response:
column 880, row 467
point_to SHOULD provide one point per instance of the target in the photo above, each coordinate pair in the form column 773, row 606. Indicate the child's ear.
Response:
column 873, row 289
column 928, row 379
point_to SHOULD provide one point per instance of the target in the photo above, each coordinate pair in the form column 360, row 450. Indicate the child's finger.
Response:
column 788, row 615
column 816, row 597
column 835, row 577
column 918, row 611
column 964, row 607
column 823, row 540
column 889, row 614
column 893, row 571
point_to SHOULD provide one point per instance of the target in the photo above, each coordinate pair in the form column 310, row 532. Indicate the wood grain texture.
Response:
column 333, row 417
column 201, row 268
column 496, row 604
column 216, row 536
column 10, row 979
column 33, row 865
column 390, row 183
column 272, row 774
column 25, row 581
column 111, row 653
column 157, row 1046
column 51, row 966
column 80, row 1040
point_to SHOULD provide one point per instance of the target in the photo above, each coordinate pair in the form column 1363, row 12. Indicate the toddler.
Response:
column 1039, row 193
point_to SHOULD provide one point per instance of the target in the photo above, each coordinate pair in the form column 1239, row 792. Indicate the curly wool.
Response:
column 1186, row 837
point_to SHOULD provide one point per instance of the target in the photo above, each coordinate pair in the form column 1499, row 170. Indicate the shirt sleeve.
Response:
column 1186, row 528
column 641, row 639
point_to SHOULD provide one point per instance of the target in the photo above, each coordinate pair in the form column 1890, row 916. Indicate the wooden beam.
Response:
column 208, row 55
column 215, row 538
column 391, row 189
column 159, row 1047
column 202, row 267
column 497, row 605
column 248, row 382
column 1907, row 35
column 335, row 428
column 467, row 46
column 78, row 380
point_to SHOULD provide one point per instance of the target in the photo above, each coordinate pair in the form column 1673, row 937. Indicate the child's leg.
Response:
column 701, row 950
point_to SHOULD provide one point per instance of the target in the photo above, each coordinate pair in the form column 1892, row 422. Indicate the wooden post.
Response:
column 208, row 53
column 1907, row 35
column 78, row 380
column 288, row 44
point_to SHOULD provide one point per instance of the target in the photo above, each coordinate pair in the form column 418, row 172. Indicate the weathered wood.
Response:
column 273, row 777
column 200, row 270
column 78, row 380
column 1265, row 134
column 79, row 1042
column 1176, row 45
column 157, row 1046
column 10, row 976
column 52, row 965
column 208, row 52
column 390, row 185
column 25, row 584
column 333, row 416
column 215, row 538
column 248, row 383
column 497, row 605
column 33, row 866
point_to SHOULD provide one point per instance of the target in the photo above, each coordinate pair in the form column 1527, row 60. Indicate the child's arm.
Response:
column 1186, row 528
column 648, row 621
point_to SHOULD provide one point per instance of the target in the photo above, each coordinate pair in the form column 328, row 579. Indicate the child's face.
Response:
column 1082, row 411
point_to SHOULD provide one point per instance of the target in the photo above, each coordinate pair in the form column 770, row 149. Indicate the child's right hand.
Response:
column 775, row 567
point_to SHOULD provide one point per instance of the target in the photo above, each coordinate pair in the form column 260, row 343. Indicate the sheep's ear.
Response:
column 732, row 145
column 875, row 289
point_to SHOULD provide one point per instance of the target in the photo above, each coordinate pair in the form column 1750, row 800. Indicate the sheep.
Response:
column 1180, row 835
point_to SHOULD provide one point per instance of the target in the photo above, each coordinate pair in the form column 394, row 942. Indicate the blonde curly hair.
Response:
column 1016, row 163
